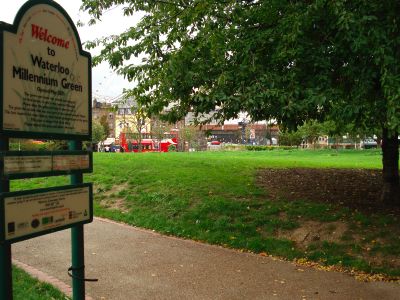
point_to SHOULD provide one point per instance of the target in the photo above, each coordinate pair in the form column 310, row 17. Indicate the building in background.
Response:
column 236, row 131
column 103, row 110
column 242, row 133
column 129, row 119
column 124, row 116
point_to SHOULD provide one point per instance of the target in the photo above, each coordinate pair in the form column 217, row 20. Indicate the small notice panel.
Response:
column 37, row 212
column 27, row 164
column 23, row 164
column 70, row 162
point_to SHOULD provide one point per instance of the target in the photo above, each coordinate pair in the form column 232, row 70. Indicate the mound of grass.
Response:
column 213, row 197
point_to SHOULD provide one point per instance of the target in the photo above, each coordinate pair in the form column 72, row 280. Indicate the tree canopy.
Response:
column 98, row 133
column 290, row 61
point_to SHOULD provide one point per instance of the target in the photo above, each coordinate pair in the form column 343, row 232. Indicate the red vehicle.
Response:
column 165, row 144
column 148, row 145
column 131, row 145
column 170, row 138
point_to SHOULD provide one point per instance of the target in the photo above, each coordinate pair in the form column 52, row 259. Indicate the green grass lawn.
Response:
column 212, row 197
column 27, row 288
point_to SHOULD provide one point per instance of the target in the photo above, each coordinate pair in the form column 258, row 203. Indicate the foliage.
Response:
column 32, row 145
column 56, row 145
column 290, row 138
column 98, row 134
column 139, row 123
column 287, row 60
column 267, row 148
column 234, row 147
column 135, row 122
column 159, row 128
column 171, row 148
column 26, row 145
column 106, row 126
column 290, row 61
column 193, row 136
column 311, row 130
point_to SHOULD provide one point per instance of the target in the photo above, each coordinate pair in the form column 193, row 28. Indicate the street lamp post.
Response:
column 242, row 125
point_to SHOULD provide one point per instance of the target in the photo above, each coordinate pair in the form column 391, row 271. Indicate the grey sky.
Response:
column 105, row 82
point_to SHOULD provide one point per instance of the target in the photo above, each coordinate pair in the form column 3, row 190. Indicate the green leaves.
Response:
column 290, row 61
column 98, row 132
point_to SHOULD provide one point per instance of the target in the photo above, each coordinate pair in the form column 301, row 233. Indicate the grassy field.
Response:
column 28, row 288
column 213, row 197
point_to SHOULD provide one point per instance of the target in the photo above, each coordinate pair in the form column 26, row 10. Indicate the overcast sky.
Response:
column 105, row 81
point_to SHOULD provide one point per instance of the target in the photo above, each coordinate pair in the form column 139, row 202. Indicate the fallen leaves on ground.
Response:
column 361, row 276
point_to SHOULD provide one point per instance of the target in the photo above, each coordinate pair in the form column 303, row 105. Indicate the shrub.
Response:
column 32, row 145
column 268, row 148
column 234, row 147
column 171, row 148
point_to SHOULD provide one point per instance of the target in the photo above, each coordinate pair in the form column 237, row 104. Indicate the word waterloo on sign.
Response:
column 45, row 93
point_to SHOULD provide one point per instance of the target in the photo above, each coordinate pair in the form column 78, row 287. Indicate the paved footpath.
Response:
column 133, row 263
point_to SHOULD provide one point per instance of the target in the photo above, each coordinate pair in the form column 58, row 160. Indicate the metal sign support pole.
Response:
column 5, row 272
column 5, row 249
column 77, row 243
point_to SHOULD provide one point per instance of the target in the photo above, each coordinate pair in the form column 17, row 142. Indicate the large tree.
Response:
column 285, row 60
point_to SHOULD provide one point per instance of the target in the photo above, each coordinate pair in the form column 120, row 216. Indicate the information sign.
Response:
column 26, row 164
column 71, row 162
column 45, row 92
column 46, row 80
column 30, row 213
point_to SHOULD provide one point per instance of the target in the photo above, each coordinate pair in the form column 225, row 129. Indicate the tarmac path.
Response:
column 132, row 263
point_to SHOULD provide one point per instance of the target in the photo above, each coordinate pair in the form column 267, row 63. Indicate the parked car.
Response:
column 115, row 148
column 369, row 144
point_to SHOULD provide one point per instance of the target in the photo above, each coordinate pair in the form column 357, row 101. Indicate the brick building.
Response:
column 241, row 133
column 104, row 109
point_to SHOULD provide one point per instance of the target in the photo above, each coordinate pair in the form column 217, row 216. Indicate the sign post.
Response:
column 45, row 93
column 77, row 243
column 5, row 272
column 5, row 249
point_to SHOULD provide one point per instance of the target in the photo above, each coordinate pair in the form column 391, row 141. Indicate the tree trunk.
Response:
column 390, row 160
column 139, row 141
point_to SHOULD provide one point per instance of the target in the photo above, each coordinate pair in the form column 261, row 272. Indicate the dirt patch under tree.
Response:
column 357, row 189
column 354, row 188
